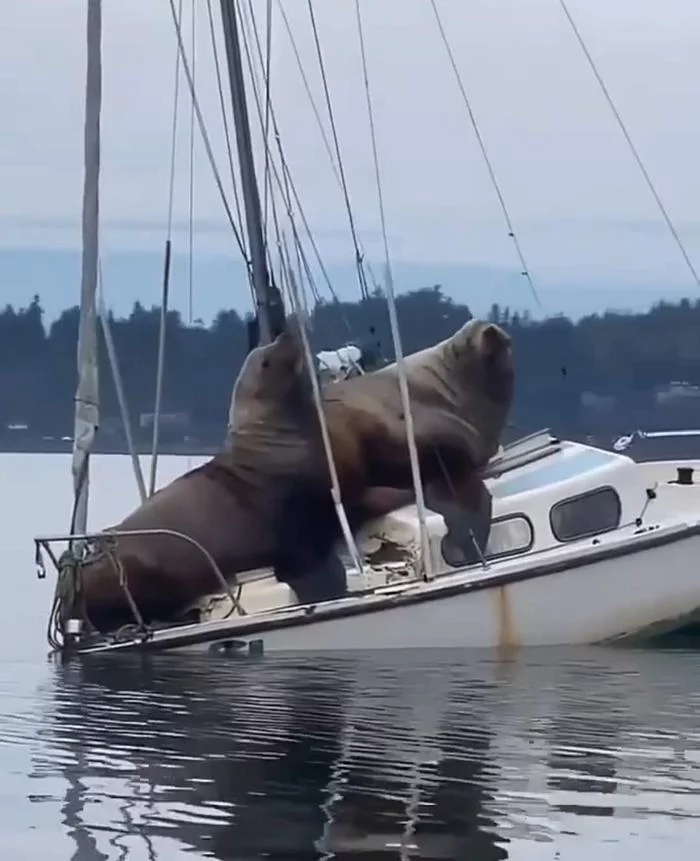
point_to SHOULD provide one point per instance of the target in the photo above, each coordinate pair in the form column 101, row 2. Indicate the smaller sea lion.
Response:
column 264, row 502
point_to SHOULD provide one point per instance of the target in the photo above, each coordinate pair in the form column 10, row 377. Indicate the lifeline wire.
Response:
column 482, row 146
column 633, row 149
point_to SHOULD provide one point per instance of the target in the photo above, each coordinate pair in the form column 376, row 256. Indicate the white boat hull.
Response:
column 628, row 577
column 650, row 588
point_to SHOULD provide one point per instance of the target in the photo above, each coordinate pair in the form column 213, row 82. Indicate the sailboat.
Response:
column 586, row 545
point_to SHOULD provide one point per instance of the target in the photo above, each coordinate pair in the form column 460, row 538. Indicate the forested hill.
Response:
column 607, row 373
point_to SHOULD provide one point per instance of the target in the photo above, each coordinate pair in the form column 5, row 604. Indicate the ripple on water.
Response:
column 446, row 755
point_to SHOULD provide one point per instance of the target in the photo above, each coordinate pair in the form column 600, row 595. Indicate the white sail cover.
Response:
column 340, row 363
column 87, row 394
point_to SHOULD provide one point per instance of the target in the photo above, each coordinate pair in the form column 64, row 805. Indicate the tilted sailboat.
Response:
column 585, row 545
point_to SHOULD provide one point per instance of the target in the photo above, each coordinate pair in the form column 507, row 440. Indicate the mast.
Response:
column 268, row 300
column 87, row 394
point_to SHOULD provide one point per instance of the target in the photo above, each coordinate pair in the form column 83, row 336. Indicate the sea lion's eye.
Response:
column 265, row 363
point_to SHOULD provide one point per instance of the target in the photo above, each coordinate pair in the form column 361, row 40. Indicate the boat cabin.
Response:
column 546, row 493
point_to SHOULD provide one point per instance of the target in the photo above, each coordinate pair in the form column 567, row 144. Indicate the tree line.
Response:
column 604, row 373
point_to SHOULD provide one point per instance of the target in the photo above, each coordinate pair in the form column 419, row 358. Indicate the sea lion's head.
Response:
column 481, row 354
column 273, row 376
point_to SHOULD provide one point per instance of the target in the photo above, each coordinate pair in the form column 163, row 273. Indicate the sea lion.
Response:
column 461, row 391
column 264, row 502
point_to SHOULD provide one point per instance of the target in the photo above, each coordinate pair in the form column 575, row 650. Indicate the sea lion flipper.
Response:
column 326, row 581
column 466, row 506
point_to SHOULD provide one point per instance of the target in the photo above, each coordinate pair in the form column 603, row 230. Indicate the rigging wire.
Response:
column 190, row 191
column 287, row 190
column 206, row 141
column 628, row 139
column 393, row 319
column 173, row 136
column 222, row 104
column 323, row 423
column 319, row 122
column 482, row 146
column 248, row 27
column 246, row 15
column 119, row 385
column 165, row 290
column 267, row 188
column 307, row 87
column 364, row 292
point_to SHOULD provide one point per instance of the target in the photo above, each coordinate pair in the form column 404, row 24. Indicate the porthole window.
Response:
column 585, row 515
column 508, row 536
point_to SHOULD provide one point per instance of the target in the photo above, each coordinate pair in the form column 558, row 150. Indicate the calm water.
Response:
column 572, row 754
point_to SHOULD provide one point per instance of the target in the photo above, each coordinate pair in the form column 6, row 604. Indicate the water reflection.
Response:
column 584, row 739
column 398, row 756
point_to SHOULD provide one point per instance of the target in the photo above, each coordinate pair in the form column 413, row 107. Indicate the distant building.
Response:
column 598, row 403
column 675, row 391
column 168, row 421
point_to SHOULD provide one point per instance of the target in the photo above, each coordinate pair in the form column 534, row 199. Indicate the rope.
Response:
column 393, row 319
column 482, row 146
column 364, row 292
column 630, row 144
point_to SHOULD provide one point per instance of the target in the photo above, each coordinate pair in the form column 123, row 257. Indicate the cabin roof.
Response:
column 571, row 462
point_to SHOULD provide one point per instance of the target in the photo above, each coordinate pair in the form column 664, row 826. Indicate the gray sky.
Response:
column 579, row 204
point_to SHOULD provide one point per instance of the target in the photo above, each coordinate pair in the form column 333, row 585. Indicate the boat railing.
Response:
column 623, row 442
column 65, row 627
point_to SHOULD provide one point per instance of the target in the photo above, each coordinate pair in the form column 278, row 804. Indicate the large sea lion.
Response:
column 264, row 502
column 461, row 391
